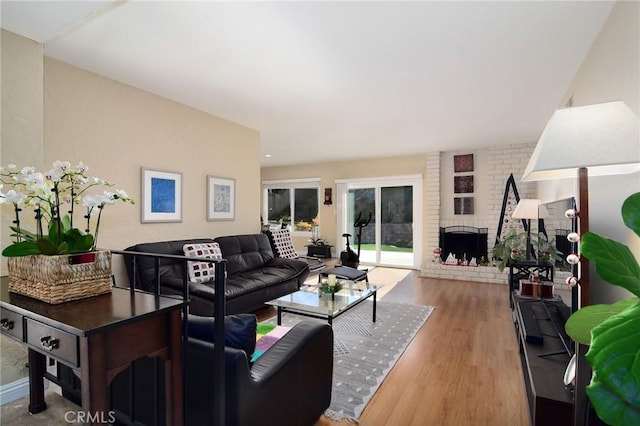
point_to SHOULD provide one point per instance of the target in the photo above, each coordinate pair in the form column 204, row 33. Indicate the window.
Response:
column 292, row 203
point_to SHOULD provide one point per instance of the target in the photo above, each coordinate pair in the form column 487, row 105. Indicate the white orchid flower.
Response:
column 91, row 201
column 61, row 166
column 81, row 168
column 35, row 177
column 109, row 197
column 122, row 195
column 53, row 175
column 13, row 196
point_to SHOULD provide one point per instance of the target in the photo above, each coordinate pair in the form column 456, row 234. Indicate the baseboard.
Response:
column 16, row 390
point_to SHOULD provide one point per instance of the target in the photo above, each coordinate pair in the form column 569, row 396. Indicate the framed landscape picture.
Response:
column 221, row 198
column 161, row 196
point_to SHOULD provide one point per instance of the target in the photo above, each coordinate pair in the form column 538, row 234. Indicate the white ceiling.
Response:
column 326, row 81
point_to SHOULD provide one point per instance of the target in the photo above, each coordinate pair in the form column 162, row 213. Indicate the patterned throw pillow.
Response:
column 202, row 271
column 284, row 246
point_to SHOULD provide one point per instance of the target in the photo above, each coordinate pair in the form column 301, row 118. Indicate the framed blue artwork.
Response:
column 161, row 196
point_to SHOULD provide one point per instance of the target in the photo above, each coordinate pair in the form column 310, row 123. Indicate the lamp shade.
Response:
column 526, row 209
column 605, row 138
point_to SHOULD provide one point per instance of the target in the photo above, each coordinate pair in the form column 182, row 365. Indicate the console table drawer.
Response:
column 11, row 324
column 53, row 342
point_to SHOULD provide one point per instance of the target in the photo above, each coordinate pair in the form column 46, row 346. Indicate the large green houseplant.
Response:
column 513, row 246
column 613, row 331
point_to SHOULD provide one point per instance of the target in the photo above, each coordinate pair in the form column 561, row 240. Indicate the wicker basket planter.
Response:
column 58, row 279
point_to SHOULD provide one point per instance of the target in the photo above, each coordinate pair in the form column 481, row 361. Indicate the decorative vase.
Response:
column 61, row 278
column 315, row 232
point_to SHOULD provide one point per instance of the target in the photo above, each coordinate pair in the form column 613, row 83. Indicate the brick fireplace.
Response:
column 465, row 243
column 492, row 170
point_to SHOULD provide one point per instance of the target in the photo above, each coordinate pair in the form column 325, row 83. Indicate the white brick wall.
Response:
column 502, row 161
column 432, row 205
column 484, row 274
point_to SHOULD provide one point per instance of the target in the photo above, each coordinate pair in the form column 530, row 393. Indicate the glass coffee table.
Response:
column 310, row 301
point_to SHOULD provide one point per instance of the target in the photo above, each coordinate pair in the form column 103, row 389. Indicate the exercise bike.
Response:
column 348, row 257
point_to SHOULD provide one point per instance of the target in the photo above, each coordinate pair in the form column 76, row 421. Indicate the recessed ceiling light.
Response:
column 268, row 155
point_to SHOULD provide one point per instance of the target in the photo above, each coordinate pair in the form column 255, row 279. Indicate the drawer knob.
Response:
column 6, row 324
column 50, row 344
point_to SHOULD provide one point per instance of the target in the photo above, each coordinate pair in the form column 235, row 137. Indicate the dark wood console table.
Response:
column 98, row 337
column 544, row 361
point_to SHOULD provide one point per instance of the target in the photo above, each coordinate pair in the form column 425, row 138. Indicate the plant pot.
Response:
column 61, row 278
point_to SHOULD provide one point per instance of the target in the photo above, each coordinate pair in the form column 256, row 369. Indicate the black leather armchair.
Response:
column 290, row 384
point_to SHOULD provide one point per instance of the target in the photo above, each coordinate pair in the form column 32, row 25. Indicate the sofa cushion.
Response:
column 202, row 271
column 245, row 252
column 275, row 272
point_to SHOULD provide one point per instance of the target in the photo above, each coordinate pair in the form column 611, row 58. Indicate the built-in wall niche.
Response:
column 463, row 184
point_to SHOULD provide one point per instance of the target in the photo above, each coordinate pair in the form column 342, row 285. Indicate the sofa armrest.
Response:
column 292, row 345
column 299, row 269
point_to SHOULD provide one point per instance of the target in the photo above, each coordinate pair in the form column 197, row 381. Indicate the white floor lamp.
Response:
column 597, row 140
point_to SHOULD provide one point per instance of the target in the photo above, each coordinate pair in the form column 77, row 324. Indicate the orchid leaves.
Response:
column 58, row 241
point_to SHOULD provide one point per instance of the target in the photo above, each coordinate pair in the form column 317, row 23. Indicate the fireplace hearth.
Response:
column 464, row 242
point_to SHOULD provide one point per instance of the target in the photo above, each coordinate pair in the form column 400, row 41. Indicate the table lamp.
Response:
column 527, row 209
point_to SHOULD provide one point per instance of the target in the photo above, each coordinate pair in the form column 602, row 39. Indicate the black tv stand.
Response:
column 544, row 357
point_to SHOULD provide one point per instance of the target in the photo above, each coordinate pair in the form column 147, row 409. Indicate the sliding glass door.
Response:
column 380, row 217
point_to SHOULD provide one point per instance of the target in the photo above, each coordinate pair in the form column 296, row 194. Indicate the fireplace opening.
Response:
column 464, row 242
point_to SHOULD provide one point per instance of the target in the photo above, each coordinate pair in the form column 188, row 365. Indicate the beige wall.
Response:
column 21, row 126
column 21, row 109
column 610, row 72
column 116, row 129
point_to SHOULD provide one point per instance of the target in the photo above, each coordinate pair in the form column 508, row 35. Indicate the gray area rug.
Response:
column 364, row 351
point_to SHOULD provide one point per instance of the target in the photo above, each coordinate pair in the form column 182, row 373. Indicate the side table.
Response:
column 323, row 251
column 98, row 337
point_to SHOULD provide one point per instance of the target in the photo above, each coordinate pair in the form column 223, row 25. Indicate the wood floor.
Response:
column 461, row 369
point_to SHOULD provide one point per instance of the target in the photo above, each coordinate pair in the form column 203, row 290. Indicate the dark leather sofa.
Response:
column 254, row 274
